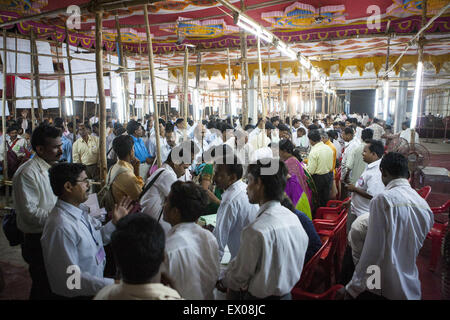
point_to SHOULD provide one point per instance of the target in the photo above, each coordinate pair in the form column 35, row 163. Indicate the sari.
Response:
column 298, row 196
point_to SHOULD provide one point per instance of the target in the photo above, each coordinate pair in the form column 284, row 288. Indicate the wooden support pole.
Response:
column 69, row 64
column 5, row 158
column 282, row 109
column 33, row 120
column 36, row 73
column 289, row 103
column 101, row 93
column 58, row 69
column 153, row 85
column 323, row 102
column 260, row 81
column 270, row 88
column 84, row 101
column 328, row 104
column 186, row 88
column 229, row 108
column 123, row 63
column 244, row 77
column 14, row 91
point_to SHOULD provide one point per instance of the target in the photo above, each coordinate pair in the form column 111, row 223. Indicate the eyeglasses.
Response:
column 85, row 181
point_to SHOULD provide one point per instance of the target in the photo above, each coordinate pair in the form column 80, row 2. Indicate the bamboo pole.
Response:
column 33, row 120
column 323, row 102
column 59, row 80
column 185, row 88
column 289, row 103
column 14, row 91
column 244, row 74
column 110, row 88
column 260, row 81
column 123, row 63
column 5, row 158
column 101, row 93
column 69, row 64
column 312, row 108
column 270, row 88
column 153, row 85
column 328, row 104
column 36, row 71
column 282, row 109
column 229, row 109
column 84, row 101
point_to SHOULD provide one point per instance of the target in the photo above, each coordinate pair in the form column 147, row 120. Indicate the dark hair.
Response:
column 122, row 146
column 138, row 245
column 43, row 132
column 313, row 127
column 274, row 184
column 62, row 172
column 395, row 164
column 332, row 134
column 295, row 121
column 283, row 127
column 58, row 122
column 169, row 127
column 367, row 134
column 406, row 123
column 314, row 135
column 161, row 121
column 375, row 120
column 179, row 151
column 132, row 126
column 287, row 146
column 249, row 126
column 189, row 198
column 95, row 125
column 376, row 146
column 301, row 129
column 12, row 128
column 349, row 130
column 273, row 119
column 190, row 122
column 232, row 167
column 269, row 125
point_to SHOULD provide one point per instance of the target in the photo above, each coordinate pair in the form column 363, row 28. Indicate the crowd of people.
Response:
column 263, row 183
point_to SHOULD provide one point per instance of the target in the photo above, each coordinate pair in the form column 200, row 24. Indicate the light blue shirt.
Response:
column 234, row 214
column 66, row 149
column 140, row 151
column 72, row 237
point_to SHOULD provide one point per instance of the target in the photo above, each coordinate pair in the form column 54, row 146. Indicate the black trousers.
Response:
column 323, row 186
column 236, row 295
column 32, row 254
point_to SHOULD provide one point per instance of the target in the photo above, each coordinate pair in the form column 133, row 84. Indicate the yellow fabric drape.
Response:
column 325, row 65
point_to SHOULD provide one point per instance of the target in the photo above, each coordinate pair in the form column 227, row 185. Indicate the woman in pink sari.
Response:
column 293, row 161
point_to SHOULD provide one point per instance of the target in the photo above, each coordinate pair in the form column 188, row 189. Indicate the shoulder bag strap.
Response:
column 150, row 184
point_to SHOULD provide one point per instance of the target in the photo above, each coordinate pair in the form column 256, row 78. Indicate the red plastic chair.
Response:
column 330, row 221
column 311, row 270
column 336, row 203
column 299, row 294
column 436, row 234
column 333, row 255
column 424, row 192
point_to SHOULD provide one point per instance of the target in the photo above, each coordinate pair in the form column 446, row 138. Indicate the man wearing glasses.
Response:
column 72, row 241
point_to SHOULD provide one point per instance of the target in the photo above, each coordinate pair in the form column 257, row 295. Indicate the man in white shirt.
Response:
column 138, row 245
column 235, row 211
column 399, row 222
column 353, row 142
column 301, row 139
column 72, row 237
column 33, row 199
column 355, row 163
column 273, row 247
column 406, row 133
column 192, row 255
column 378, row 130
column 153, row 196
column 369, row 184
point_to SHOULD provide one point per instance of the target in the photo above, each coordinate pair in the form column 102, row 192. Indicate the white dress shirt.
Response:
column 192, row 261
column 146, row 291
column 72, row 237
column 399, row 222
column 163, row 145
column 355, row 142
column 32, row 195
column 370, row 181
column 406, row 134
column 271, row 255
column 152, row 201
column 378, row 131
column 234, row 214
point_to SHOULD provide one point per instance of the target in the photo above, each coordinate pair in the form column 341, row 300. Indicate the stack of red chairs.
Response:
column 437, row 233
column 322, row 270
